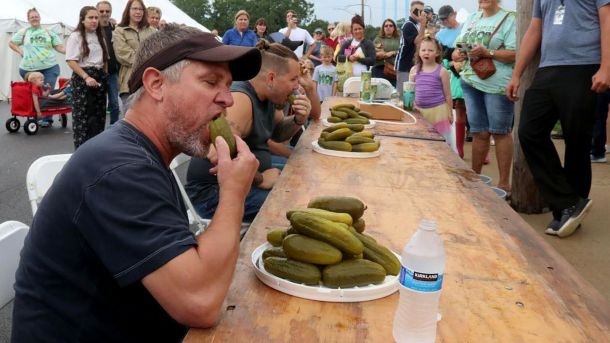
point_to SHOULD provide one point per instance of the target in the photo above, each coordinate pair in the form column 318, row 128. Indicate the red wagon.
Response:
column 23, row 106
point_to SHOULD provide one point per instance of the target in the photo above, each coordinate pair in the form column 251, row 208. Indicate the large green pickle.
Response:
column 295, row 271
column 220, row 127
column 335, row 234
column 352, row 273
column 344, row 218
column 304, row 249
column 350, row 205
column 335, row 145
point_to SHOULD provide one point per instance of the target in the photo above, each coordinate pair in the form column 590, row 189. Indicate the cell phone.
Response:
column 295, row 19
column 416, row 12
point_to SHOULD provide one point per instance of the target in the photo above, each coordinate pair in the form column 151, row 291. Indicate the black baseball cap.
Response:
column 244, row 63
column 444, row 12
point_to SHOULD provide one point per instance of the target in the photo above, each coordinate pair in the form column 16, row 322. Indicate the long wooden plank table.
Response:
column 503, row 283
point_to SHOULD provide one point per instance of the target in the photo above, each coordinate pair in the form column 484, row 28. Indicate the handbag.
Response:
column 484, row 67
column 388, row 70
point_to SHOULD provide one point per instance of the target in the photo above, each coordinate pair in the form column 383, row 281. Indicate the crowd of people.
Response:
column 126, row 235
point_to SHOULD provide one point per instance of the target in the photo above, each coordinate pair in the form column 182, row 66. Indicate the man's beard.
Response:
column 179, row 137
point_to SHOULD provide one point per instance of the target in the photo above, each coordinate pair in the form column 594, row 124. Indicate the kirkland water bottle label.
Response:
column 420, row 282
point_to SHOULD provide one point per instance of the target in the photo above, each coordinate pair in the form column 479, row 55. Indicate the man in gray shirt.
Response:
column 574, row 38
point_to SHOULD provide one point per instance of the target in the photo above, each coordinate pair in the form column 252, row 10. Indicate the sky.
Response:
column 343, row 10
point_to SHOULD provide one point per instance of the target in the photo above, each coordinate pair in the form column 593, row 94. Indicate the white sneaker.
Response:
column 598, row 159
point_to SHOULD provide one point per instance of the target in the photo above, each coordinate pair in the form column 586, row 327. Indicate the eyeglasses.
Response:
column 330, row 29
column 388, row 25
column 137, row 9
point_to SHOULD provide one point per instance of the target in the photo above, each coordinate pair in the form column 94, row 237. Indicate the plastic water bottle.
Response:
column 421, row 279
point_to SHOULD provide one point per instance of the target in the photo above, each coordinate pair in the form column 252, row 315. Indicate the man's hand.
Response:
column 601, row 80
column 270, row 176
column 307, row 82
column 422, row 18
column 301, row 107
column 512, row 90
column 235, row 176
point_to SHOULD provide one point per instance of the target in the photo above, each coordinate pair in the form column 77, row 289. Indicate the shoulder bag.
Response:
column 484, row 67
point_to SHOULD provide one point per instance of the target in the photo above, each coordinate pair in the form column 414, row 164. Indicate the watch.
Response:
column 491, row 53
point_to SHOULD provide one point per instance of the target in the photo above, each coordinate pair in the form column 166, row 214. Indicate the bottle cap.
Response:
column 427, row 225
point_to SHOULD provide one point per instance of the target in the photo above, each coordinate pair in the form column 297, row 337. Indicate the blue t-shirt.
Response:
column 235, row 37
column 574, row 41
column 325, row 76
column 447, row 36
column 113, row 215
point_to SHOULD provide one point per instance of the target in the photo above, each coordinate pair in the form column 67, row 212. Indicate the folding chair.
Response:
column 12, row 235
column 194, row 218
column 40, row 176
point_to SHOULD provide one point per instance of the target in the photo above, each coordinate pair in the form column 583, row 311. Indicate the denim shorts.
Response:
column 487, row 112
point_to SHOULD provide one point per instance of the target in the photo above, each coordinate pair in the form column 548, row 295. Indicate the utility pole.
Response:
column 525, row 198
column 362, row 9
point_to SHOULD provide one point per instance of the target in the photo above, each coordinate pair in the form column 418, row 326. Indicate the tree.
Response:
column 525, row 195
column 199, row 10
column 274, row 12
column 316, row 23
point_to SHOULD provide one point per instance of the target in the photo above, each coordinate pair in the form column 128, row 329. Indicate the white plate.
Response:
column 322, row 293
column 371, row 124
column 336, row 153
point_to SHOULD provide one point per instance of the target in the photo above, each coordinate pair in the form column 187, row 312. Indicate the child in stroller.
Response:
column 43, row 98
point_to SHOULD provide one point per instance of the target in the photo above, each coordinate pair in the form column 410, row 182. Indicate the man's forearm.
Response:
column 285, row 129
column 604, row 25
column 529, row 46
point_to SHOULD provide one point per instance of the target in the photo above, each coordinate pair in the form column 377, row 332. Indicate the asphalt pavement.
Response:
column 17, row 152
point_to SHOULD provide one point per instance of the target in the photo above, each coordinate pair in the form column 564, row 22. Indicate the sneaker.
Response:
column 601, row 159
column 44, row 123
column 572, row 216
column 553, row 227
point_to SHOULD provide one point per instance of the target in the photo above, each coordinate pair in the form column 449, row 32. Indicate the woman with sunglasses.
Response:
column 386, row 48
column 313, row 53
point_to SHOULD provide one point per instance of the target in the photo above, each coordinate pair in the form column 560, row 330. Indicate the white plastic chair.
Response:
column 40, row 176
column 194, row 218
column 12, row 235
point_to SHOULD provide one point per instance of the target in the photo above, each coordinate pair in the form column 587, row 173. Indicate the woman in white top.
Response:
column 87, row 56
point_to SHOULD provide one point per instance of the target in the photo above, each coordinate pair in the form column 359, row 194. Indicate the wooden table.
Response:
column 502, row 283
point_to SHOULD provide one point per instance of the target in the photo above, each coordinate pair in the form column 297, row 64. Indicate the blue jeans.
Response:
column 50, row 76
column 488, row 112
column 113, row 97
column 254, row 202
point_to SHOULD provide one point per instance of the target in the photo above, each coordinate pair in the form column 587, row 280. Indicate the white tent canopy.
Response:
column 60, row 16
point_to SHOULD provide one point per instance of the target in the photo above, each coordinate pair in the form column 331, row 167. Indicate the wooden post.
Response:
column 525, row 195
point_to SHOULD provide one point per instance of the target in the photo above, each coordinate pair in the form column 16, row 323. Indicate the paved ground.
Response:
column 587, row 249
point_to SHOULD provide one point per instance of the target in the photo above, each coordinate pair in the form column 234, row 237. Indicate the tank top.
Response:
column 198, row 176
column 429, row 88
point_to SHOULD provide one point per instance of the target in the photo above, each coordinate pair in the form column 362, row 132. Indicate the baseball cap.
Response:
column 428, row 9
column 244, row 63
column 278, row 37
column 318, row 30
column 444, row 12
